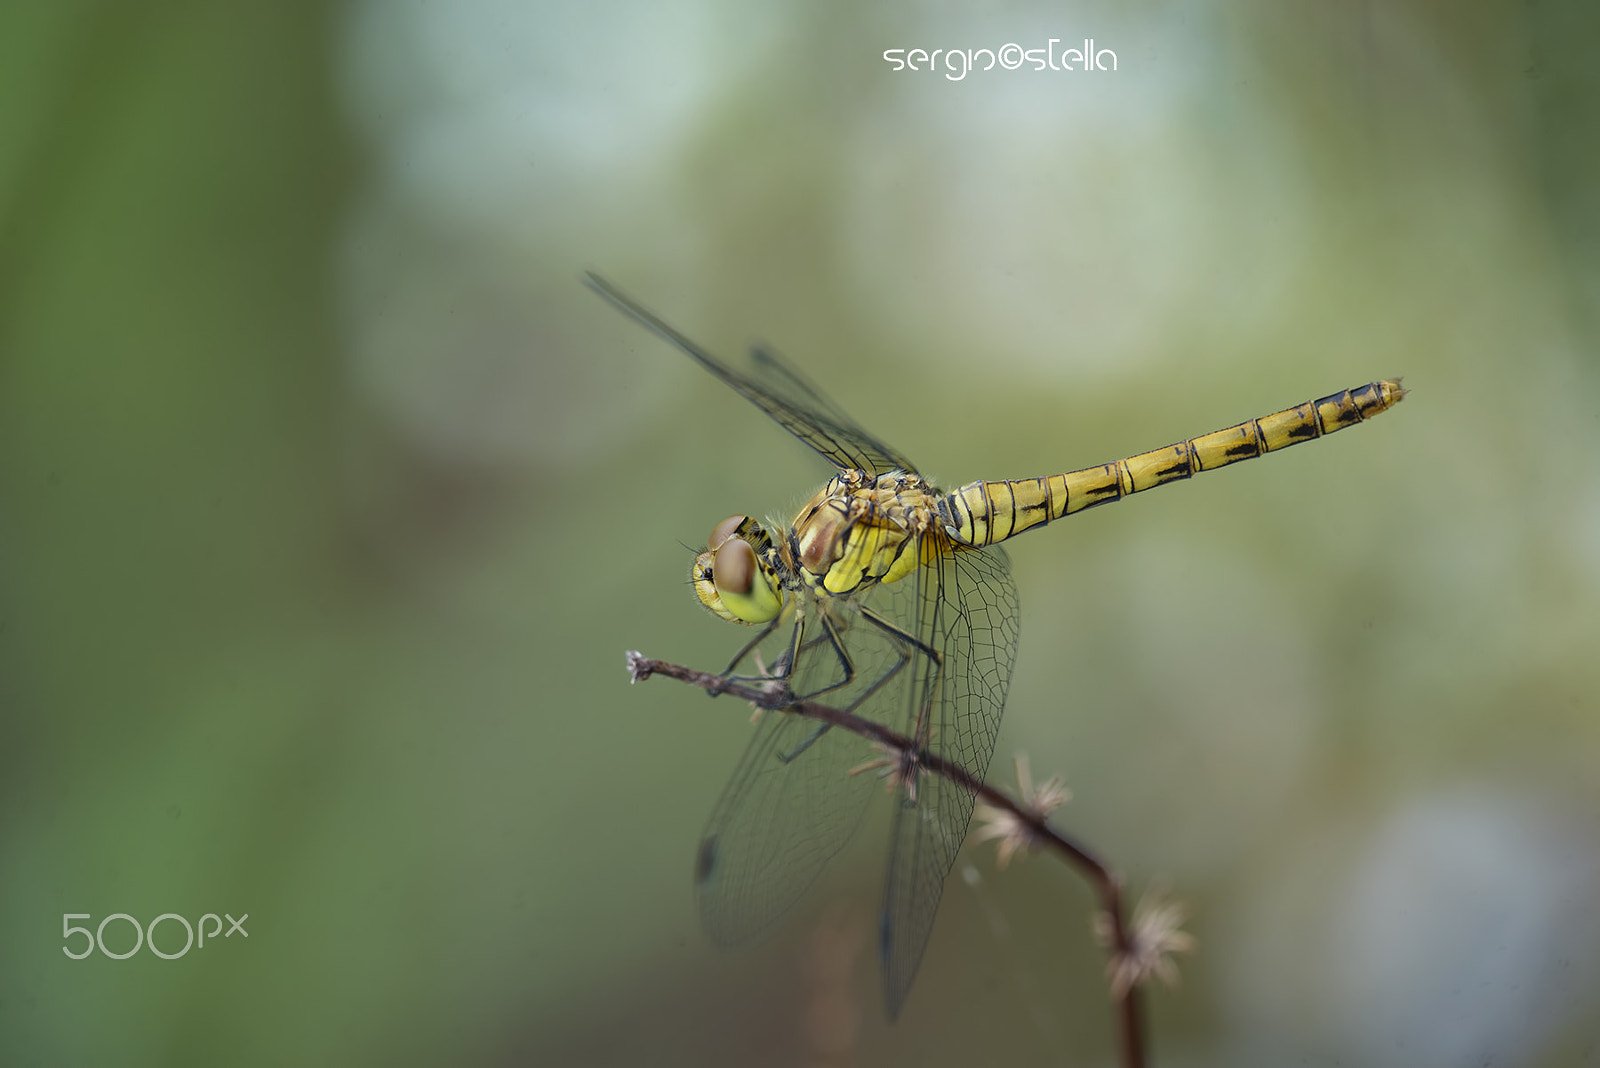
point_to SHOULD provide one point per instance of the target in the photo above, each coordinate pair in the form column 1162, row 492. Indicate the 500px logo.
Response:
column 1009, row 56
column 144, row 935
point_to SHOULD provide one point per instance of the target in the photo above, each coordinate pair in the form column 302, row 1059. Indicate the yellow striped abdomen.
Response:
column 982, row 513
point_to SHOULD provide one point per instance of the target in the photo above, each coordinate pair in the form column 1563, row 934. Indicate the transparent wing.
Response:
column 967, row 611
column 788, row 809
column 792, row 803
column 775, row 387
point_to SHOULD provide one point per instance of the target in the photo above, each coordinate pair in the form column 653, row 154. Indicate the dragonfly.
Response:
column 894, row 601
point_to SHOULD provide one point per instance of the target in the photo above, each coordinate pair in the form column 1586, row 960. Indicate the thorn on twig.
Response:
column 899, row 768
column 1156, row 934
column 1018, row 831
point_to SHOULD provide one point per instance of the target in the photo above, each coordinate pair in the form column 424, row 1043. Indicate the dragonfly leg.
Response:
column 783, row 668
column 902, row 640
column 780, row 671
column 908, row 644
column 810, row 740
column 903, row 637
column 749, row 647
column 905, row 658
column 830, row 634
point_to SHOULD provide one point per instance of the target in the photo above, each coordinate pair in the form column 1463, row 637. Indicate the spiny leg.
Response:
column 903, row 649
column 750, row 646
column 830, row 634
column 908, row 641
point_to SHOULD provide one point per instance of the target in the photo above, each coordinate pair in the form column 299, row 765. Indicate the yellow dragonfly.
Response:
column 893, row 600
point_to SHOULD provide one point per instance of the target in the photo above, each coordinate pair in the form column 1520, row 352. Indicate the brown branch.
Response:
column 775, row 697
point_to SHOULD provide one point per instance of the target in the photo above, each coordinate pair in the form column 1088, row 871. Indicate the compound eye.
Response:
column 743, row 585
column 725, row 530
column 734, row 569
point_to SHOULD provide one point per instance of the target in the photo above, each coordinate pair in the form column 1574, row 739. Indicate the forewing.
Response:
column 968, row 611
column 790, row 398
column 777, row 388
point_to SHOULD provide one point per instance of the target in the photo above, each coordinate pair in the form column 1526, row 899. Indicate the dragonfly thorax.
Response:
column 861, row 530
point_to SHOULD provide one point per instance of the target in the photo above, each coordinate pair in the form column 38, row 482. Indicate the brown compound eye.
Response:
column 725, row 530
column 742, row 583
column 734, row 569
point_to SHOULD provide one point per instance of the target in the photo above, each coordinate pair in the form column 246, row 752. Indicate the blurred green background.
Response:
column 330, row 501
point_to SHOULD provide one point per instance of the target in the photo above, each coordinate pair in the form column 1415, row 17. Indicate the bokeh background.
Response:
column 330, row 501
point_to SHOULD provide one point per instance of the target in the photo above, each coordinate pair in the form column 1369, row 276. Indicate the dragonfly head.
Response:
column 734, row 577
